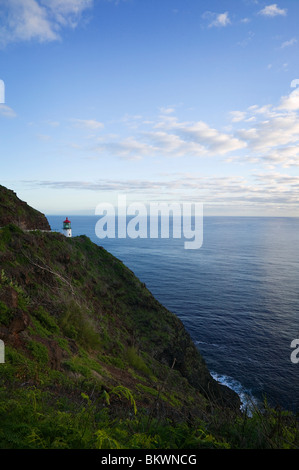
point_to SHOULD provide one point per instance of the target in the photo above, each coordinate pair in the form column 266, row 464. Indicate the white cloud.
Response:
column 129, row 148
column 259, row 188
column 90, row 124
column 247, row 40
column 173, row 145
column 272, row 133
column 41, row 20
column 26, row 20
column 266, row 135
column 290, row 102
column 170, row 138
column 286, row 157
column 237, row 116
column 43, row 137
column 168, row 110
column 221, row 20
column 273, row 10
column 216, row 142
column 289, row 43
column 53, row 123
column 6, row 111
column 67, row 12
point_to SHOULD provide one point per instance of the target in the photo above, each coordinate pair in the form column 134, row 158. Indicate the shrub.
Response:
column 136, row 361
column 5, row 314
column 76, row 325
column 39, row 351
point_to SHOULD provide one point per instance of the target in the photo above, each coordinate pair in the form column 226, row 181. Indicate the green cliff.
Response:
column 15, row 211
column 93, row 360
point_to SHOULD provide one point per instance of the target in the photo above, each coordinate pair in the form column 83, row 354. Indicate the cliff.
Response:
column 92, row 359
column 80, row 286
column 15, row 211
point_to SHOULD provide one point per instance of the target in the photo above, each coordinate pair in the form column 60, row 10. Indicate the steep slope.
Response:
column 75, row 320
column 88, row 292
column 15, row 211
column 93, row 360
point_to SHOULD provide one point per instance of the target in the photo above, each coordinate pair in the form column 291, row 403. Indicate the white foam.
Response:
column 249, row 402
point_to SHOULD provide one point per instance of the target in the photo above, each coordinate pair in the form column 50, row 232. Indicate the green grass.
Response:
column 89, row 308
column 137, row 362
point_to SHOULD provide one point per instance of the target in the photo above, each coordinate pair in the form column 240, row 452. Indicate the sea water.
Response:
column 237, row 296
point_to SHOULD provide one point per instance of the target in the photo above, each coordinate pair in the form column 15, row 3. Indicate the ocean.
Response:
column 237, row 296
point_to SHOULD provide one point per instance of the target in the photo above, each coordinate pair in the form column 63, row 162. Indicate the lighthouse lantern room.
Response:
column 67, row 229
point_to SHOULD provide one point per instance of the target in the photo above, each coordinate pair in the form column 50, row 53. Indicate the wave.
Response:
column 248, row 400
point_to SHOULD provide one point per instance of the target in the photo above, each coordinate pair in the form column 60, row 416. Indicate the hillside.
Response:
column 15, row 211
column 93, row 360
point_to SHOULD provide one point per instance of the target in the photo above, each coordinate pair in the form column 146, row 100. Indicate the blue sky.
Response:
column 172, row 100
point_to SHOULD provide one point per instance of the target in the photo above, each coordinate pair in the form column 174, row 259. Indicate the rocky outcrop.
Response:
column 17, row 212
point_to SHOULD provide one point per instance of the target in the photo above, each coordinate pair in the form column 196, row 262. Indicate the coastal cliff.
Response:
column 15, row 211
column 92, row 359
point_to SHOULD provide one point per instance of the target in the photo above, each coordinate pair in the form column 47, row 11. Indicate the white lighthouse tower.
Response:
column 67, row 229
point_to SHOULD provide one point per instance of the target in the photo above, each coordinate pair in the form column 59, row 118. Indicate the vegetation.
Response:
column 93, row 361
column 13, row 210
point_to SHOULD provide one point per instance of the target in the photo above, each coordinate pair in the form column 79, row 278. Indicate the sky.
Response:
column 161, row 101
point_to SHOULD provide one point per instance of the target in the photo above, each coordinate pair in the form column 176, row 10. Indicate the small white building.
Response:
column 67, row 229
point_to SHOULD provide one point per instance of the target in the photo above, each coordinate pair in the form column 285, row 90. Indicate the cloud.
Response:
column 67, row 12
column 41, row 20
column 6, row 111
column 247, row 40
column 273, row 10
column 272, row 132
column 215, row 142
column 168, row 110
column 289, row 43
column 266, row 135
column 258, row 188
column 286, row 157
column 238, row 116
column 221, row 20
column 129, row 148
column 290, row 102
column 43, row 137
column 170, row 144
column 90, row 124
column 53, row 123
column 169, row 138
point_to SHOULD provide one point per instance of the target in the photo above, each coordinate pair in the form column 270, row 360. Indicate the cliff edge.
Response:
column 76, row 322
column 17, row 212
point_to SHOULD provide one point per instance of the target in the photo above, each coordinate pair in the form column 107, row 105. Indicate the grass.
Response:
column 105, row 392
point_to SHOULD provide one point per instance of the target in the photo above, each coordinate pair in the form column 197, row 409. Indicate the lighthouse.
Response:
column 67, row 229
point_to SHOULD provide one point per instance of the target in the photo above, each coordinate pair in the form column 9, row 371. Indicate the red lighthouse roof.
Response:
column 67, row 221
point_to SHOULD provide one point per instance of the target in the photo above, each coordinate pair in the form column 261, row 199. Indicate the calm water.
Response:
column 238, row 296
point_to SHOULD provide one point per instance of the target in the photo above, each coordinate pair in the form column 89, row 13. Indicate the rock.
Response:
column 19, row 323
column 9, row 296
